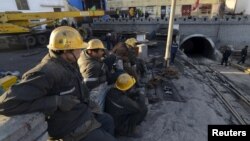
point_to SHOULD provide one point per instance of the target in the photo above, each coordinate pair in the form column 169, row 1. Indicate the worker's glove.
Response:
column 66, row 102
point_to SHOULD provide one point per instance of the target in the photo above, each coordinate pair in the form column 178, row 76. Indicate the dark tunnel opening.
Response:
column 197, row 46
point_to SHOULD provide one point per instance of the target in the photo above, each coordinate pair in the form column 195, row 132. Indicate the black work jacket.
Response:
column 119, row 105
column 244, row 52
column 37, row 91
column 227, row 53
column 93, row 71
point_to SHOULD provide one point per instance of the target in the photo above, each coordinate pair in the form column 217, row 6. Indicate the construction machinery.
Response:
column 19, row 29
column 6, row 82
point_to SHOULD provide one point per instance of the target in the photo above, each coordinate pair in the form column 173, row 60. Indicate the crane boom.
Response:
column 14, row 16
column 17, row 22
column 17, row 28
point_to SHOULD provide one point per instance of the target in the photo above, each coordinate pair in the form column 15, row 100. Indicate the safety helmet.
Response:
column 124, row 82
column 66, row 38
column 131, row 42
column 95, row 44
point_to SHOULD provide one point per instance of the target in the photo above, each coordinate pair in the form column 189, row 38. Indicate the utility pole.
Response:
column 170, row 33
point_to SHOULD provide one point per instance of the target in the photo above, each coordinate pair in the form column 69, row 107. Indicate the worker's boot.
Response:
column 136, row 133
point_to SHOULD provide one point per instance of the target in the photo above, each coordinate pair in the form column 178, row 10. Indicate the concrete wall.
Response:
column 228, row 30
column 34, row 5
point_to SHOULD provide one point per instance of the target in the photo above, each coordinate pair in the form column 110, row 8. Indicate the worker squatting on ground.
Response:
column 243, row 55
column 94, row 70
column 54, row 87
column 126, row 106
column 226, row 55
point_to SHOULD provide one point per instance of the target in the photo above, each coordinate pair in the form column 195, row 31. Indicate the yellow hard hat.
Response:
column 66, row 38
column 131, row 42
column 124, row 82
column 95, row 44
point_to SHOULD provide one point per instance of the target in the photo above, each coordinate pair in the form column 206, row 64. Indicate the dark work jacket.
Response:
column 94, row 71
column 37, row 91
column 123, row 108
column 244, row 52
column 227, row 53
column 174, row 48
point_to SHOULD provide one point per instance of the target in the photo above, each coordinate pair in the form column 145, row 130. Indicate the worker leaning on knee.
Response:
column 140, row 66
column 126, row 105
column 54, row 87
column 124, row 59
column 94, row 70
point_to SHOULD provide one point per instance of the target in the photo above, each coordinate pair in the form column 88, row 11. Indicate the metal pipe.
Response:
column 170, row 32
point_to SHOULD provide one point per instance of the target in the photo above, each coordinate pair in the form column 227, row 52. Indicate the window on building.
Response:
column 22, row 5
column 206, row 9
column 57, row 9
column 186, row 10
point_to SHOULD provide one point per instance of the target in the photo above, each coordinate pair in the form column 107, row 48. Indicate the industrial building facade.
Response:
column 158, row 8
column 32, row 5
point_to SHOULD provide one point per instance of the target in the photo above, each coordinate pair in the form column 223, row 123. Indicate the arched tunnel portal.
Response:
column 198, row 45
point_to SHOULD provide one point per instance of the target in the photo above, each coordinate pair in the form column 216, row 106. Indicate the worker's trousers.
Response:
column 105, row 132
column 99, row 135
column 98, row 95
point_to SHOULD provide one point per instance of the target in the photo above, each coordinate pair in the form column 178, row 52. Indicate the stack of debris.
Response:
column 152, row 86
column 170, row 73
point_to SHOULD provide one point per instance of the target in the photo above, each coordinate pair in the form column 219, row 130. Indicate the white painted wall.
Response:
column 243, row 6
column 8, row 5
column 34, row 5
column 238, row 6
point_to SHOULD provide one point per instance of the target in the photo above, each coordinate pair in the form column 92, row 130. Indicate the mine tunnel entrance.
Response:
column 198, row 46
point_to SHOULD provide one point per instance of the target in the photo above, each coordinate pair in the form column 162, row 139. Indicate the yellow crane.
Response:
column 17, row 26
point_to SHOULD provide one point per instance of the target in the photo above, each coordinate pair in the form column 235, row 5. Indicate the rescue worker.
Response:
column 131, row 12
column 226, row 55
column 140, row 65
column 126, row 106
column 117, row 12
column 108, row 41
column 125, row 60
column 94, row 70
column 54, row 87
column 174, row 49
column 243, row 55
column 146, row 15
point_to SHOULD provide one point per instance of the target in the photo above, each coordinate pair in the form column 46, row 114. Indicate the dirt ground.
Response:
column 21, row 60
column 173, row 119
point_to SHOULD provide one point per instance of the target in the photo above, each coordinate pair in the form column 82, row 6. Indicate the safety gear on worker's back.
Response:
column 95, row 44
column 124, row 82
column 131, row 42
column 94, row 71
column 66, row 38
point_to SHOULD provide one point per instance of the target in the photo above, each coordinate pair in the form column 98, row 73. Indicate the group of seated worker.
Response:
column 85, row 92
